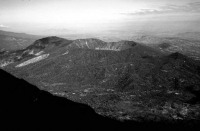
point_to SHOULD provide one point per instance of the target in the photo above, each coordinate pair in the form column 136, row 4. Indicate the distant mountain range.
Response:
column 185, row 45
column 15, row 41
column 189, row 35
column 124, row 80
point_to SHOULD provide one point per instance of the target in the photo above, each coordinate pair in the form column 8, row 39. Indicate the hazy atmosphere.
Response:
column 114, row 17
column 100, row 63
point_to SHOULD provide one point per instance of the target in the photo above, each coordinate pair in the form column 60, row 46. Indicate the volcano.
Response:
column 124, row 80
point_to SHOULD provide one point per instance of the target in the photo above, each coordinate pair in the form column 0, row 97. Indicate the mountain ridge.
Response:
column 123, row 80
column 14, row 41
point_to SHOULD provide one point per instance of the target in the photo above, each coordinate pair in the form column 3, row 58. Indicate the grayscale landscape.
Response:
column 121, row 63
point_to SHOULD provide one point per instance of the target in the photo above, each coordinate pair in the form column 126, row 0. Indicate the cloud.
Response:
column 192, row 7
column 3, row 26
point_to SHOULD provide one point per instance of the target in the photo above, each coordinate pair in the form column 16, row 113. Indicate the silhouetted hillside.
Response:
column 24, row 105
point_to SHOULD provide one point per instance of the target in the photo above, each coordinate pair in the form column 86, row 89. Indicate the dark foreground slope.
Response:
column 124, row 80
column 24, row 106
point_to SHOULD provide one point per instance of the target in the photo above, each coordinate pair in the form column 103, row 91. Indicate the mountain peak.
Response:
column 177, row 55
column 92, row 43
column 47, row 41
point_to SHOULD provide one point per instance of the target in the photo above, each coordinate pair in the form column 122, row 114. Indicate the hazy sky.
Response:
column 79, row 16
